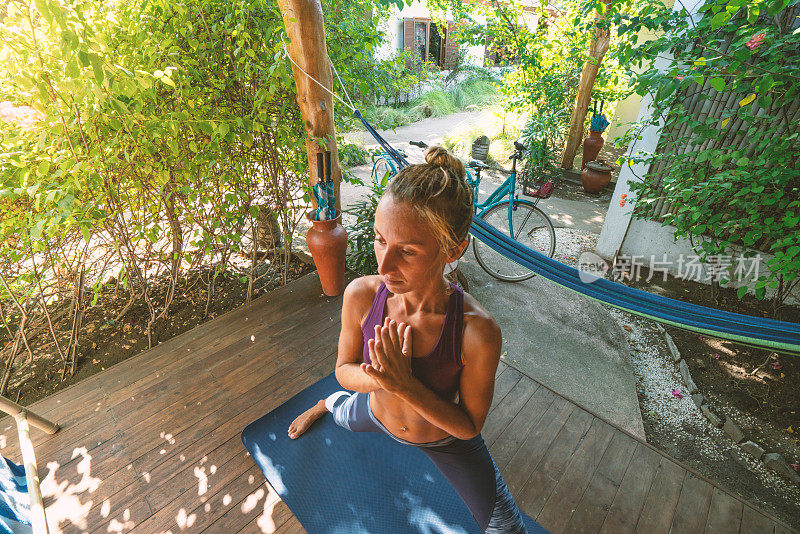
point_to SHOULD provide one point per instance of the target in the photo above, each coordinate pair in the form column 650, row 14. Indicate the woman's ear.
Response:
column 458, row 251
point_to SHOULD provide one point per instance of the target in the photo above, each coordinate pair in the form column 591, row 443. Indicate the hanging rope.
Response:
column 350, row 106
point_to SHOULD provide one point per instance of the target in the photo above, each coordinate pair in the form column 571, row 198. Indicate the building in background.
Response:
column 413, row 29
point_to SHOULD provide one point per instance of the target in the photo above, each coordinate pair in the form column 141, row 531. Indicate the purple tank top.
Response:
column 440, row 370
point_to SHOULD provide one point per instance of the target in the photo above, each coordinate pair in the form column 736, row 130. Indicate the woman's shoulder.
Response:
column 363, row 287
column 359, row 294
column 480, row 328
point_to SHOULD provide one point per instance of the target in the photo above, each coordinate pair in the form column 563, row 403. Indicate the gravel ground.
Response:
column 570, row 242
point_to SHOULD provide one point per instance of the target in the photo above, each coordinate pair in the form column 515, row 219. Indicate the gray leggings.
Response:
column 466, row 464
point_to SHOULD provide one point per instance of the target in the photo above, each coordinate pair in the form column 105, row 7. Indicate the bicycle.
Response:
column 384, row 167
column 520, row 219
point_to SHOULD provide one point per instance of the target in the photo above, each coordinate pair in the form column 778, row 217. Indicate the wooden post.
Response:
column 38, row 518
column 588, row 75
column 305, row 27
column 14, row 410
column 23, row 417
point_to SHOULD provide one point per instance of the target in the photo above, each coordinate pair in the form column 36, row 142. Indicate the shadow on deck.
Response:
column 152, row 444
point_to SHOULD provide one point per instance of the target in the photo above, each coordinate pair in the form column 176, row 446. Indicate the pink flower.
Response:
column 755, row 41
column 679, row 78
column 677, row 393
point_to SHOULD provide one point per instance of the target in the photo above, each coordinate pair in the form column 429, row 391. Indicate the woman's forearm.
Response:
column 350, row 376
column 446, row 415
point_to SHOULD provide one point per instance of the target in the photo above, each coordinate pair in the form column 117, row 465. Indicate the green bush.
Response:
column 361, row 234
column 734, row 178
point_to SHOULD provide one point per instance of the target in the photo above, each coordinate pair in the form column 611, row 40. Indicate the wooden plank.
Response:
column 292, row 526
column 724, row 513
column 197, row 338
column 113, row 482
column 632, row 492
column 754, row 521
column 72, row 515
column 503, row 384
column 548, row 472
column 658, row 509
column 506, row 409
column 166, row 492
column 276, row 518
column 248, row 502
column 537, row 440
column 691, row 511
column 294, row 327
column 178, row 416
column 178, row 477
column 301, row 292
column 221, row 331
column 595, row 502
column 508, row 443
column 195, row 389
column 211, row 334
column 559, row 506
column 223, row 444
column 281, row 516
column 207, row 499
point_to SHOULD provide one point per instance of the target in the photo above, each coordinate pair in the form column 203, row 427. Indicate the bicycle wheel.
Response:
column 532, row 228
column 382, row 170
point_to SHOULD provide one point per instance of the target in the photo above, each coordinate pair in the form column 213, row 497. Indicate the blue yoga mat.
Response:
column 340, row 482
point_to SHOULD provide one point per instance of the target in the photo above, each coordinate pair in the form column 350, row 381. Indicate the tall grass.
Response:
column 471, row 94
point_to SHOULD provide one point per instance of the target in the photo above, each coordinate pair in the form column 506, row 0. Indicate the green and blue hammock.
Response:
column 780, row 336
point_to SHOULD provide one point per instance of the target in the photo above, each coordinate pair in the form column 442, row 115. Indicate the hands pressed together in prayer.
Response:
column 390, row 356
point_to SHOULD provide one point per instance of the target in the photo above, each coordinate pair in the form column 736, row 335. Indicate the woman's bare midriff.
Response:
column 395, row 415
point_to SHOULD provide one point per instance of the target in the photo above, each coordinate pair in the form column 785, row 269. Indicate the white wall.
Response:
column 618, row 217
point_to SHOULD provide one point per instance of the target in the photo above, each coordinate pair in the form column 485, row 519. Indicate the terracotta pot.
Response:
column 591, row 147
column 595, row 176
column 327, row 242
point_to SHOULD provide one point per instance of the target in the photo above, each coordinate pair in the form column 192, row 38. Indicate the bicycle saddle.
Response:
column 477, row 164
column 519, row 146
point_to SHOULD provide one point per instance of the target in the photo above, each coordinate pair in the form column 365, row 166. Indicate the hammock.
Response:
column 753, row 331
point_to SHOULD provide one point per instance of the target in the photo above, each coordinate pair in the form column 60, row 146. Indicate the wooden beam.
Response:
column 588, row 75
column 305, row 27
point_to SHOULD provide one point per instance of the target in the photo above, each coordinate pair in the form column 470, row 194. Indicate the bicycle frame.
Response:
column 505, row 192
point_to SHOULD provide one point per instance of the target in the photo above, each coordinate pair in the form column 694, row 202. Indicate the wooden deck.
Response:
column 152, row 444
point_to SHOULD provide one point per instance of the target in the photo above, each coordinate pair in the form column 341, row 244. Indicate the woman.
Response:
column 420, row 354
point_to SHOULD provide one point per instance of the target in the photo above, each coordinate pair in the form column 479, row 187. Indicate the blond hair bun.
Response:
column 438, row 156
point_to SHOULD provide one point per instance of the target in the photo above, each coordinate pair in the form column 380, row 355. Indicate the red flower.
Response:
column 679, row 78
column 755, row 41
